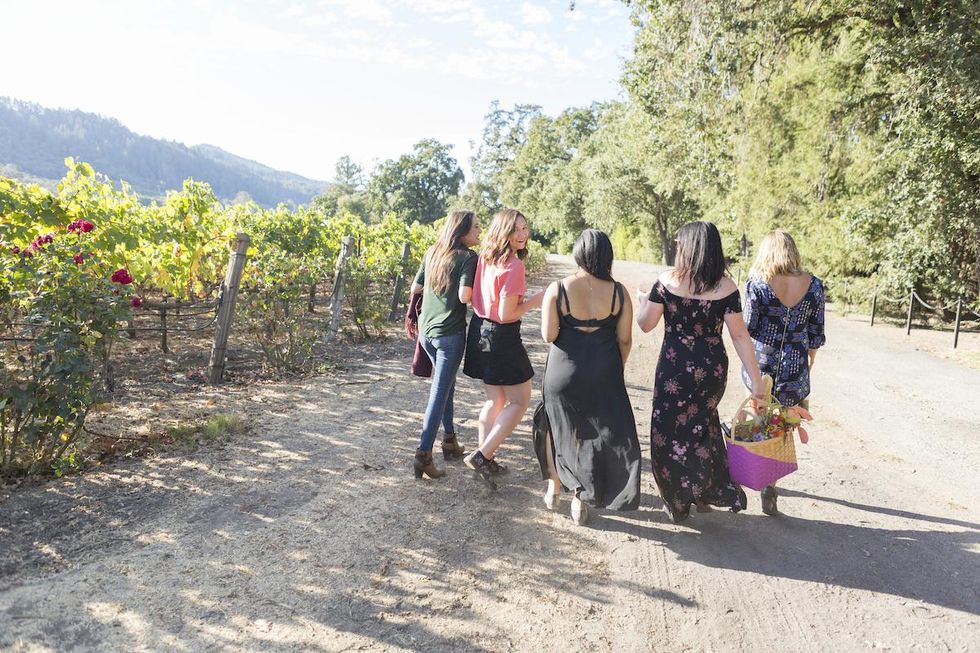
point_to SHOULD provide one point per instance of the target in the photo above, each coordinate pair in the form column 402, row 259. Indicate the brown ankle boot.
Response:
column 423, row 465
column 451, row 448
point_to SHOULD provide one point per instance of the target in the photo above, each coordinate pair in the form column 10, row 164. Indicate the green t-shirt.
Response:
column 444, row 314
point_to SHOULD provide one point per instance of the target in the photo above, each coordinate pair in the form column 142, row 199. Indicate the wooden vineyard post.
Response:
column 163, row 328
column 396, row 293
column 226, row 310
column 908, row 317
column 337, row 299
column 956, row 329
column 874, row 306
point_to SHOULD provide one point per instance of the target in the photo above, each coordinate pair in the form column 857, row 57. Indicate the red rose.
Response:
column 15, row 249
column 121, row 276
column 78, row 258
column 86, row 226
column 135, row 301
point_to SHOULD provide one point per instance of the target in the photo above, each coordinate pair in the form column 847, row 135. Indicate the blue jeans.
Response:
column 446, row 353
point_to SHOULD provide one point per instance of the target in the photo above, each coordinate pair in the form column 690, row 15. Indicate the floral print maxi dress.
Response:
column 690, row 463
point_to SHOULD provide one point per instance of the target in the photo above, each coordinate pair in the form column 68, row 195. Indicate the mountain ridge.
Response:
column 35, row 140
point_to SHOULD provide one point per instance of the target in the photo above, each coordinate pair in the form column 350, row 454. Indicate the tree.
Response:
column 504, row 134
column 347, row 194
column 853, row 124
column 417, row 186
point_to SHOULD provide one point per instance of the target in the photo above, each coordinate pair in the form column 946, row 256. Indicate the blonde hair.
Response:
column 777, row 255
column 496, row 244
column 441, row 256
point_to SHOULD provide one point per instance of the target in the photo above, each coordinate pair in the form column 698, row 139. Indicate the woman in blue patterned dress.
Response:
column 784, row 311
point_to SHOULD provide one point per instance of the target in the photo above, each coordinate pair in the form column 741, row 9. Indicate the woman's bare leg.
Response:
column 518, row 399
column 554, row 483
column 496, row 399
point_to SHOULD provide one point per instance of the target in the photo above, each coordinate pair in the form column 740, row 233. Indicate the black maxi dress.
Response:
column 690, row 463
column 596, row 449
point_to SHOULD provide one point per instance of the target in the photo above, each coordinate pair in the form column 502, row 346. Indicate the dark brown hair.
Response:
column 700, row 259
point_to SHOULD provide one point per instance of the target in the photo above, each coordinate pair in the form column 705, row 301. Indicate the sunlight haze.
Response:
column 295, row 85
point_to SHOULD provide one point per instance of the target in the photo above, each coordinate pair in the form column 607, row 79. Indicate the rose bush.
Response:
column 57, row 323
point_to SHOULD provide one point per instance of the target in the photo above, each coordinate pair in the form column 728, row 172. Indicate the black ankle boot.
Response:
column 769, row 500
column 479, row 464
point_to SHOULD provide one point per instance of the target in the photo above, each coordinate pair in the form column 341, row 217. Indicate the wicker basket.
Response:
column 761, row 463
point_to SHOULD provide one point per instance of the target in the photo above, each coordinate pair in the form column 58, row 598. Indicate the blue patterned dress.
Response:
column 803, row 324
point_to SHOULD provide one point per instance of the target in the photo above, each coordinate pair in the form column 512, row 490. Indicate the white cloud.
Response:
column 532, row 14
column 369, row 10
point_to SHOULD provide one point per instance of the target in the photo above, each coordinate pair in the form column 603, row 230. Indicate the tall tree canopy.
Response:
column 417, row 186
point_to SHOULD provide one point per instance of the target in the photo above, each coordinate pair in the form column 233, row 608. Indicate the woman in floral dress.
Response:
column 696, row 299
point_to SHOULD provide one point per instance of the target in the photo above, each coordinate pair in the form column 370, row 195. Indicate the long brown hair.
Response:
column 700, row 259
column 496, row 244
column 441, row 256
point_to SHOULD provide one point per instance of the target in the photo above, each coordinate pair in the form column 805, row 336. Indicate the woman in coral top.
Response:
column 495, row 353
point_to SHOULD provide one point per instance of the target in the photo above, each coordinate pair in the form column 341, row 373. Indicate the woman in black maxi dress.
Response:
column 590, row 445
column 596, row 450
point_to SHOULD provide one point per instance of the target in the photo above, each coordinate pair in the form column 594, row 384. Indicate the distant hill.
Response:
column 34, row 142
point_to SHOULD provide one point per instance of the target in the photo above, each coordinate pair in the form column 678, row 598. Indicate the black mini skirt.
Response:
column 495, row 353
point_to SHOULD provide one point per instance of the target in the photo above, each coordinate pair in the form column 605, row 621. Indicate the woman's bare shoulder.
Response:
column 726, row 286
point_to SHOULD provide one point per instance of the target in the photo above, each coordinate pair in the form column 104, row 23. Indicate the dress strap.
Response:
column 563, row 294
column 617, row 292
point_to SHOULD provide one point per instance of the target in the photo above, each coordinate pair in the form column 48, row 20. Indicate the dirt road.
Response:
column 310, row 534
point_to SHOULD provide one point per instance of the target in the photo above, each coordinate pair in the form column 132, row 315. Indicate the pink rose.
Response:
column 78, row 258
column 135, row 301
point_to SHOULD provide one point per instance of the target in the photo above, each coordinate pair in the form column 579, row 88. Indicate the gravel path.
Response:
column 310, row 534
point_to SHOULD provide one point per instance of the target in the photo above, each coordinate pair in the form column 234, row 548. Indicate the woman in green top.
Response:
column 445, row 280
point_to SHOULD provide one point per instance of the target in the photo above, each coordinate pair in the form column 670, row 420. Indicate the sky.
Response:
column 297, row 84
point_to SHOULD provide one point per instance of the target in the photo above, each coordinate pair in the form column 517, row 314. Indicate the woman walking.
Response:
column 784, row 311
column 696, row 299
column 588, row 320
column 495, row 353
column 445, row 280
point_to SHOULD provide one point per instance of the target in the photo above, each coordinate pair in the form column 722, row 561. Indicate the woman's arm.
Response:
column 549, row 313
column 813, row 358
column 467, row 278
column 624, row 328
column 514, row 307
column 746, row 351
column 649, row 314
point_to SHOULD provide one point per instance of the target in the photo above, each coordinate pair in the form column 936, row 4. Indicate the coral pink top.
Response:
column 493, row 283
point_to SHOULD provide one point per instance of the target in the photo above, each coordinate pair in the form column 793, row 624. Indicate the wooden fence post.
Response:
column 396, row 294
column 337, row 299
column 956, row 329
column 163, row 328
column 226, row 311
column 908, row 317
column 874, row 306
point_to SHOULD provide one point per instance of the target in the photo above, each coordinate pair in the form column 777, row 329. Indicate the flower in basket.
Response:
column 775, row 422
